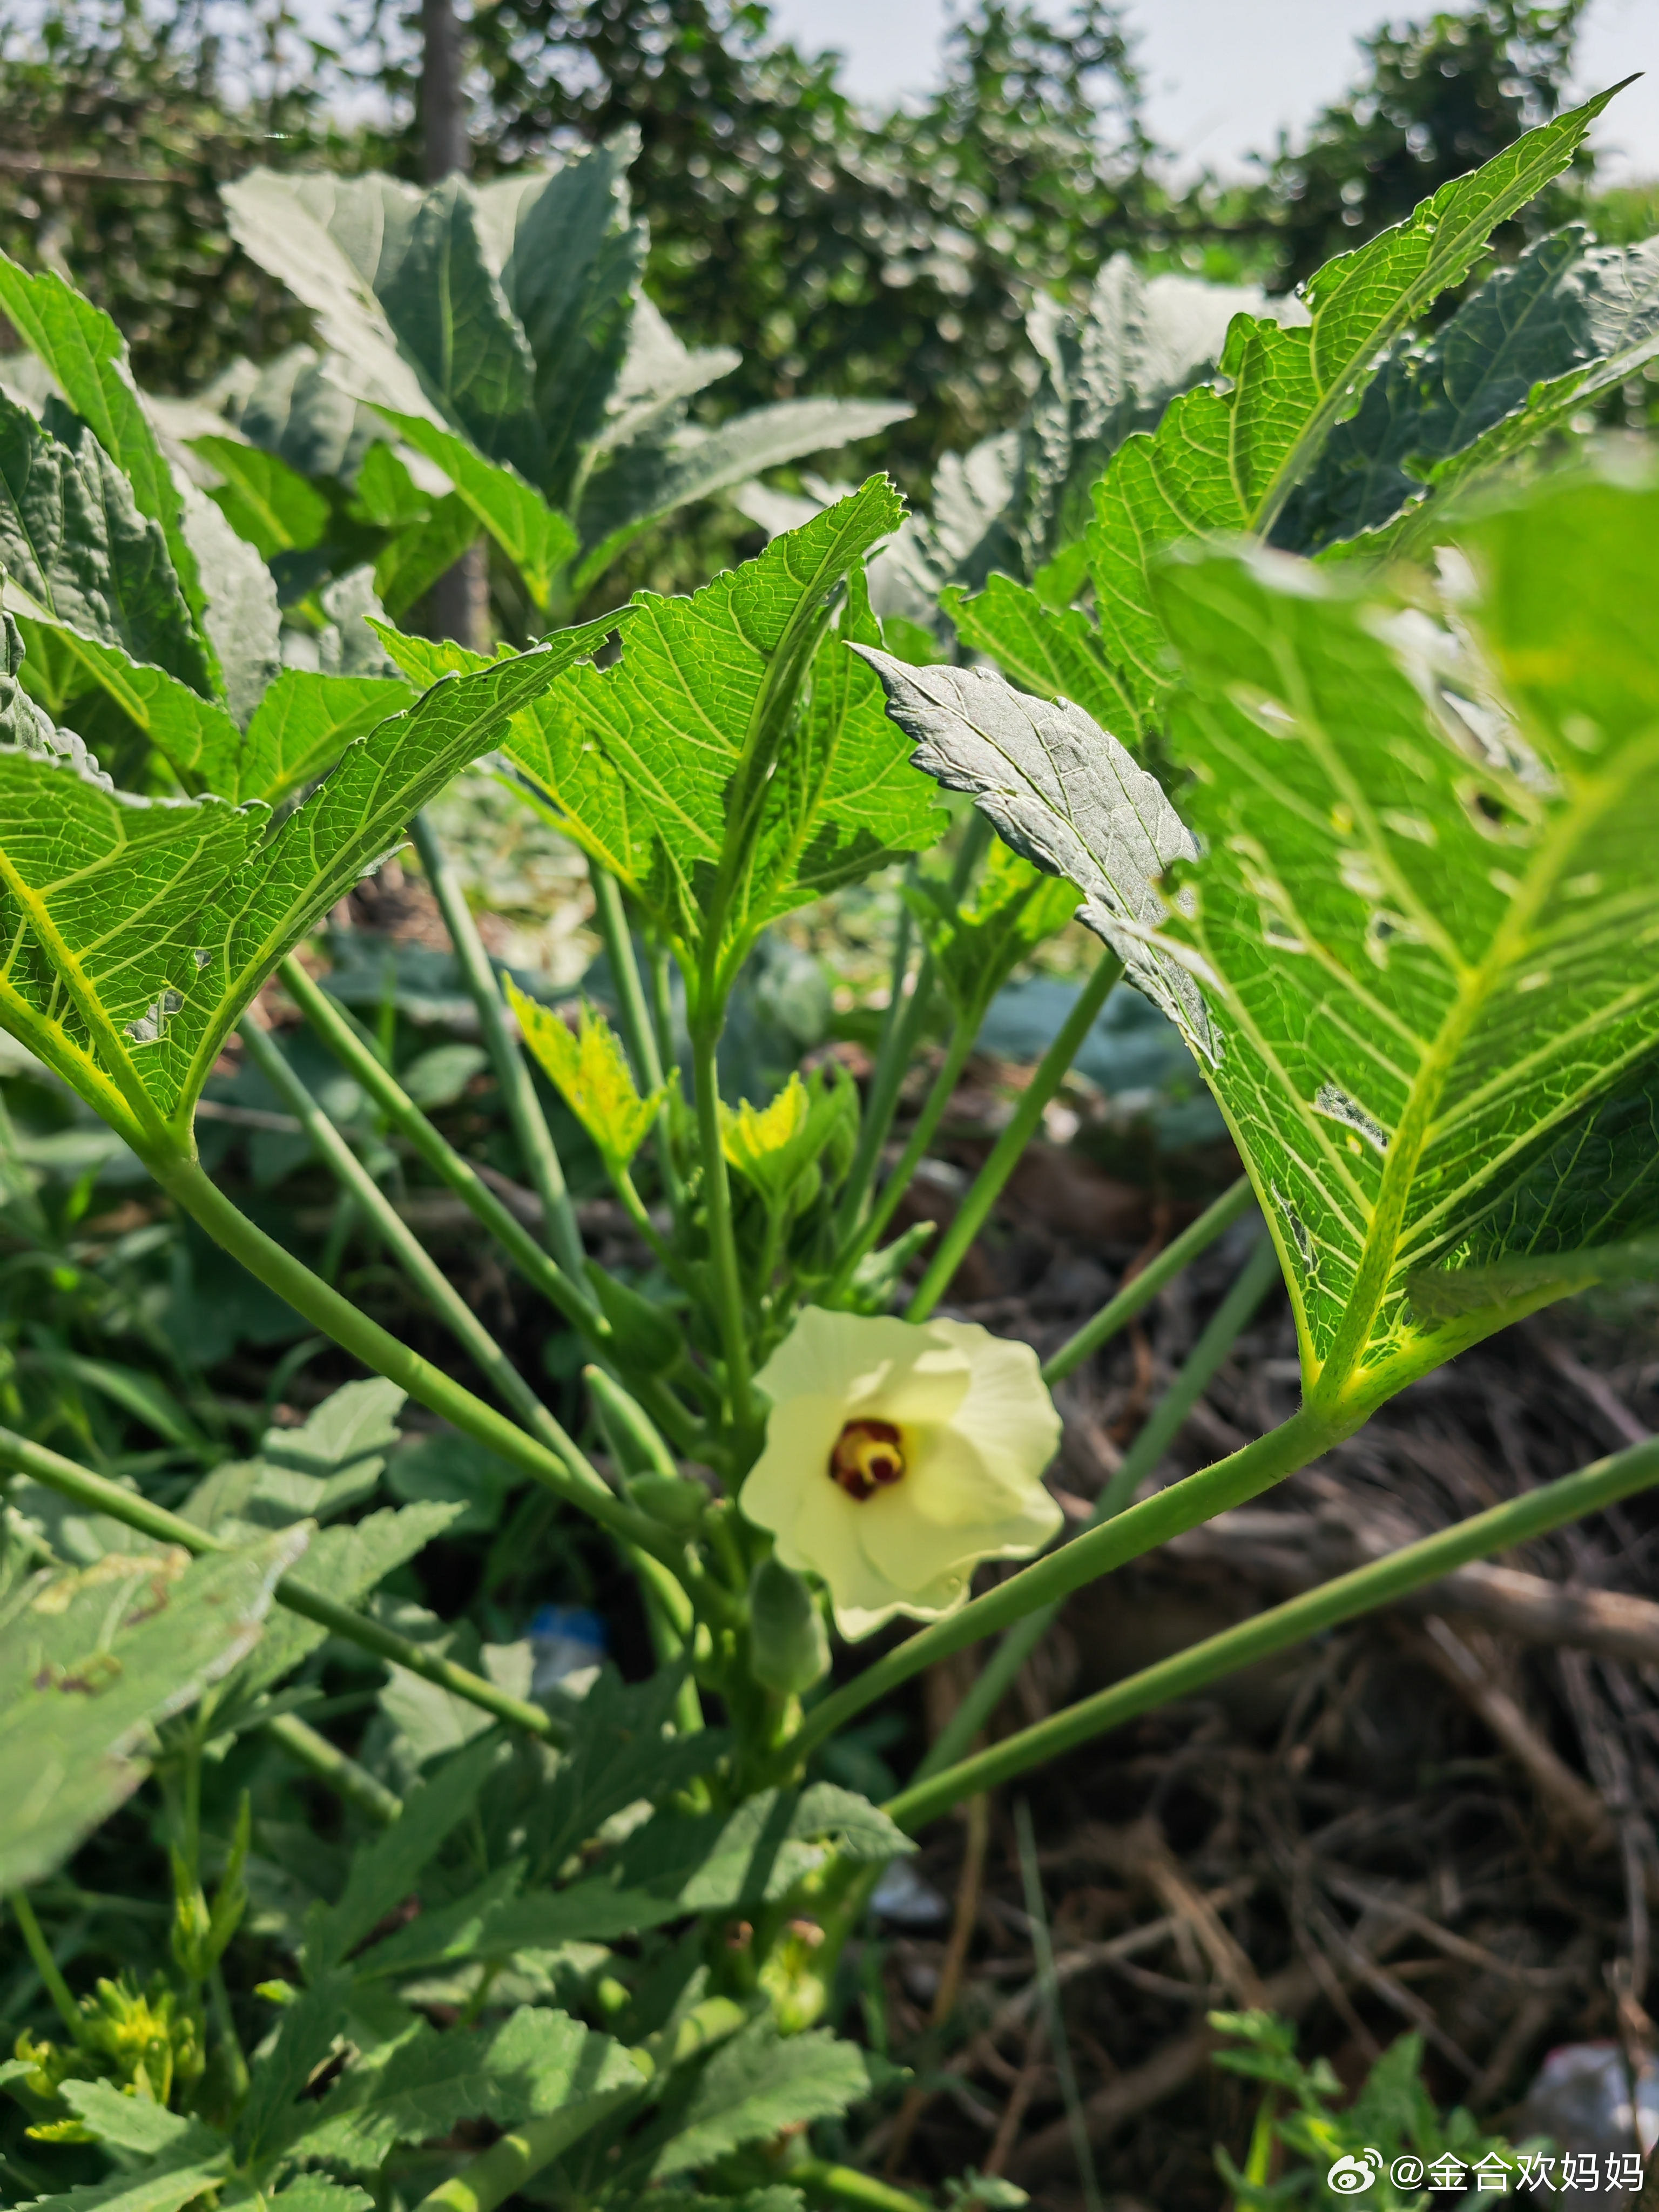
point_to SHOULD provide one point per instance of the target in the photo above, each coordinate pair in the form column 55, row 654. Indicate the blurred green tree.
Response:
column 1436, row 98
column 121, row 121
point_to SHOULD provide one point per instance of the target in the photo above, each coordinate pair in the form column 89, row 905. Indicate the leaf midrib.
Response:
column 1388, row 1238
column 1432, row 279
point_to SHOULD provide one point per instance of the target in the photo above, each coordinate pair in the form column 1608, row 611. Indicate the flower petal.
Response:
column 871, row 1363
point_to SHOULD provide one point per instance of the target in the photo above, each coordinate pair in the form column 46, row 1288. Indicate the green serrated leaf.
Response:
column 301, row 726
column 755, row 2086
column 306, row 2032
column 1426, row 956
column 537, row 540
column 265, row 502
column 194, row 735
column 537, row 2060
column 132, row 2124
column 408, row 565
column 445, row 1934
column 1226, row 458
column 773, row 1147
column 383, row 1871
column 570, row 263
column 733, row 763
column 589, row 1069
column 196, row 2164
column 759, row 1852
column 979, row 941
column 142, row 928
column 344, row 1564
column 620, row 1753
column 1064, row 794
column 91, row 1660
column 315, row 2192
column 1054, row 652
column 87, row 356
column 1535, row 341
column 76, row 548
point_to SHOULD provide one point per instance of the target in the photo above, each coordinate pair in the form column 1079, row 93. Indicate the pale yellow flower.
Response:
column 899, row 1457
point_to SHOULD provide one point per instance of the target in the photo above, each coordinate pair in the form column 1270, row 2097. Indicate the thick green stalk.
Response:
column 541, row 1156
column 412, row 1256
column 270, row 1263
column 845, row 2185
column 1156, row 1433
column 1243, row 1475
column 325, row 1017
column 724, row 1279
column 504, row 2167
column 311, row 1749
column 98, row 1495
column 1135, row 1295
column 1051, row 1071
column 1500, row 1527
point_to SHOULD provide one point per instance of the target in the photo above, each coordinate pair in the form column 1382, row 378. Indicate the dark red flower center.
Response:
column 868, row 1456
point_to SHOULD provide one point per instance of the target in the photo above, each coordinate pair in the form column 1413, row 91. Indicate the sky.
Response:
column 1222, row 76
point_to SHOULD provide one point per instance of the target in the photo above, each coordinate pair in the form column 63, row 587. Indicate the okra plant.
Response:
column 1356, row 781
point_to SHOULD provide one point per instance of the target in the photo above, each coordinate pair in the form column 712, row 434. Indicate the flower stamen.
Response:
column 868, row 1456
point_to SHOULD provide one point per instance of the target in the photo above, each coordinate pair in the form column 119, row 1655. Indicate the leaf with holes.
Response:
column 1416, row 960
column 91, row 1659
column 1426, row 921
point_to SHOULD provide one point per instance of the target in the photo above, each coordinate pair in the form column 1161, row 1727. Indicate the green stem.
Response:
column 47, row 1967
column 100, row 1495
column 901, row 1036
column 1243, row 1475
column 886, row 1076
column 411, row 1255
column 1119, row 1311
column 504, row 2167
column 845, row 2185
column 938, row 1098
column 726, row 1281
column 355, row 1784
column 632, row 1012
column 540, row 1154
column 406, row 1118
column 1051, row 1071
column 638, row 1033
column 1519, row 1521
column 1042, row 1952
column 1216, row 1340
column 272, row 1264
